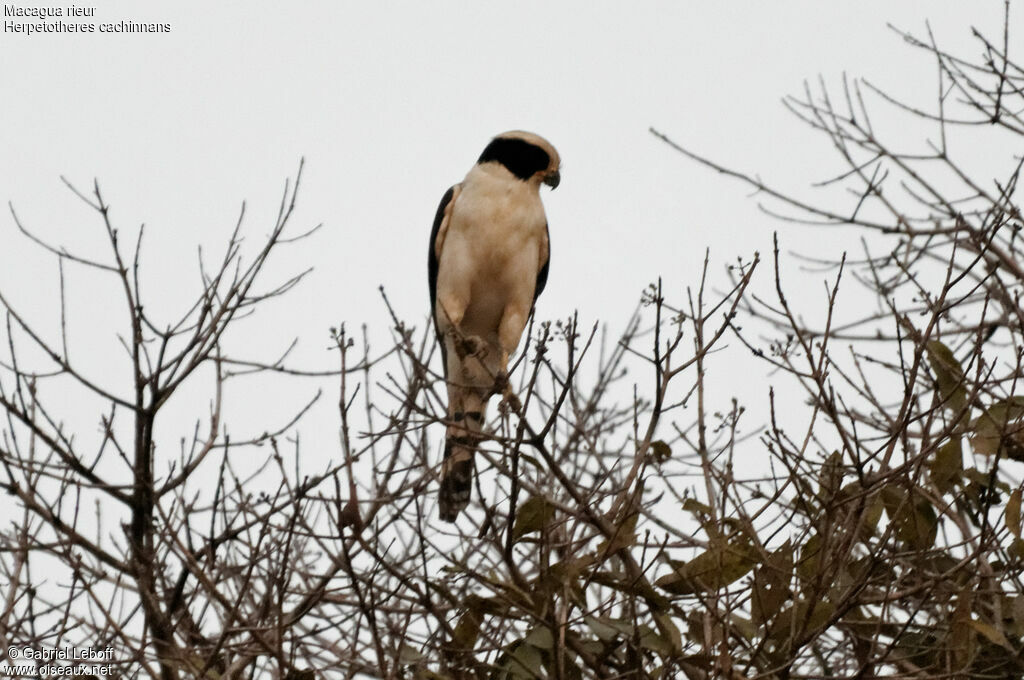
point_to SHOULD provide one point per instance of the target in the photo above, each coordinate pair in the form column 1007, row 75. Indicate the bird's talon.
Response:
column 471, row 346
column 509, row 401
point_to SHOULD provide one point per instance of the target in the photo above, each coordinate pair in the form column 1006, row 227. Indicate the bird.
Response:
column 488, row 263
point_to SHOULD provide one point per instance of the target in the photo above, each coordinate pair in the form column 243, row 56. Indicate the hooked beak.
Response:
column 552, row 179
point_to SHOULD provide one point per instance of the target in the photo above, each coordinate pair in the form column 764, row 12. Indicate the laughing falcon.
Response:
column 487, row 264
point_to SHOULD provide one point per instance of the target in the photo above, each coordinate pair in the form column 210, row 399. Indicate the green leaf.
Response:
column 915, row 520
column 696, row 508
column 721, row 564
column 625, row 532
column 800, row 619
column 661, row 451
column 920, row 648
column 540, row 637
column 1013, row 512
column 948, row 374
column 771, row 584
column 984, row 479
column 625, row 529
column 532, row 461
column 1017, row 608
column 409, row 655
column 743, row 627
column 920, row 527
column 872, row 515
column 992, row 634
column 650, row 639
column 524, row 662
column 467, row 630
column 810, row 559
column 601, row 627
column 830, row 479
column 962, row 638
column 870, row 506
column 999, row 425
column 819, row 614
column 945, row 468
column 533, row 515
column 668, row 632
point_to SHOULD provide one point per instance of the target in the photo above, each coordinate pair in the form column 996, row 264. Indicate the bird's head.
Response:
column 529, row 157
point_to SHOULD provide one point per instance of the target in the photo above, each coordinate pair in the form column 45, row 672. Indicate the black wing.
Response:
column 432, row 266
column 542, row 275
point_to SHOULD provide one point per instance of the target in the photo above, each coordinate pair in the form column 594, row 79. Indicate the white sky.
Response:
column 390, row 103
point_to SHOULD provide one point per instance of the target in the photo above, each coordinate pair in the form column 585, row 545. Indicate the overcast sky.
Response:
column 390, row 103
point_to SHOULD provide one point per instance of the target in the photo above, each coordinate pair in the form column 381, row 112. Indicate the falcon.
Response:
column 487, row 264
